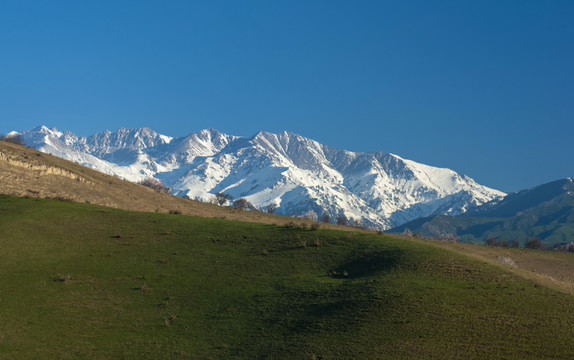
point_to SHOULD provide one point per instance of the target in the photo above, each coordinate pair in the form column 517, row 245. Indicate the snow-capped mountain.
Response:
column 545, row 212
column 294, row 173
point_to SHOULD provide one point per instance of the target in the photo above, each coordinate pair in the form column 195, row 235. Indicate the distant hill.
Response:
column 545, row 212
column 295, row 174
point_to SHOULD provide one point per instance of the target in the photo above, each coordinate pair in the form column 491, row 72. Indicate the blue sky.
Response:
column 482, row 87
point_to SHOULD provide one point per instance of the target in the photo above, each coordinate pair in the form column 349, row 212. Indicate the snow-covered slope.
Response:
column 290, row 171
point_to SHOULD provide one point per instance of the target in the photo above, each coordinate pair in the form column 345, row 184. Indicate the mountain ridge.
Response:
column 545, row 211
column 296, row 174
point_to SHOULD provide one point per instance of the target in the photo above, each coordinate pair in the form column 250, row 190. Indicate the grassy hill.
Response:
column 84, row 281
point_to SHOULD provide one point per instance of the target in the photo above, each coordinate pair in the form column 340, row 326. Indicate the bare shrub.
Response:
column 354, row 223
column 506, row 260
column 315, row 226
column 175, row 212
column 243, row 204
column 271, row 208
column 565, row 247
column 222, row 198
column 310, row 215
column 326, row 218
column 155, row 184
column 341, row 220
column 491, row 241
column 534, row 243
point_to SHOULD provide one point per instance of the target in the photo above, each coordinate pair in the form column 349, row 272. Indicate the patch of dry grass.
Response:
column 549, row 268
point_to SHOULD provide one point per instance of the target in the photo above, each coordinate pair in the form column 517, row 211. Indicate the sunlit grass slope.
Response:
column 87, row 282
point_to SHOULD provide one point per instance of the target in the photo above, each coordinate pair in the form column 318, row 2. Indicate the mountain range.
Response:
column 293, row 173
column 545, row 212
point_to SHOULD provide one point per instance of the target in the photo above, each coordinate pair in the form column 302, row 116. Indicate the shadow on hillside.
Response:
column 316, row 308
column 367, row 264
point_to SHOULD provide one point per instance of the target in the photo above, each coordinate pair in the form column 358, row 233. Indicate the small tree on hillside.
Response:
column 243, row 204
column 354, row 223
column 310, row 215
column 491, row 241
column 222, row 198
column 534, row 243
column 341, row 220
column 326, row 218
column 271, row 208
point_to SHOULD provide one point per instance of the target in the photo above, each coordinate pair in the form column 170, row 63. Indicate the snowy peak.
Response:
column 395, row 166
column 206, row 142
column 300, row 151
column 98, row 144
column 212, row 141
column 40, row 134
column 290, row 171
column 124, row 139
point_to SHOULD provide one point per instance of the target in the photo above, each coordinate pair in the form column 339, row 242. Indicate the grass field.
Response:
column 81, row 281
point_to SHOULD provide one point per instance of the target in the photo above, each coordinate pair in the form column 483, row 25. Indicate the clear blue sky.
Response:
column 483, row 87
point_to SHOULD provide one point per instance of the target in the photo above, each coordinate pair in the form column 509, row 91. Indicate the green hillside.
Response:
column 86, row 282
